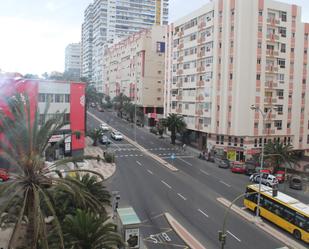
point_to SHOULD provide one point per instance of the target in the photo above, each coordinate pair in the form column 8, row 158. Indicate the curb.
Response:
column 155, row 157
column 192, row 242
column 265, row 227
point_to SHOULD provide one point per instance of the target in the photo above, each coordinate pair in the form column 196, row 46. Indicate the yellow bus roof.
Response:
column 283, row 198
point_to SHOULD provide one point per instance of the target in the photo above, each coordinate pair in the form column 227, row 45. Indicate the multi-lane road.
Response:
column 190, row 194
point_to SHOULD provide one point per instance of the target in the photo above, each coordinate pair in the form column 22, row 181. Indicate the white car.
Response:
column 104, row 127
column 116, row 135
column 267, row 179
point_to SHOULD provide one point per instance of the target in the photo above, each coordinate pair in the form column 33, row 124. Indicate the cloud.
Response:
column 52, row 6
column 34, row 47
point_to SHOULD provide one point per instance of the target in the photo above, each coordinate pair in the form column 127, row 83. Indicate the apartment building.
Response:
column 67, row 97
column 72, row 61
column 229, row 55
column 106, row 21
column 135, row 67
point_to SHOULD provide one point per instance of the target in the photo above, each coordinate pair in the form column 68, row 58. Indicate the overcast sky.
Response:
column 34, row 33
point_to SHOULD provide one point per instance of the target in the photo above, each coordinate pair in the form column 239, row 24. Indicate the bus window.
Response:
column 300, row 221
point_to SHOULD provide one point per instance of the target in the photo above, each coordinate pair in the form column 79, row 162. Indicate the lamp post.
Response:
column 264, row 115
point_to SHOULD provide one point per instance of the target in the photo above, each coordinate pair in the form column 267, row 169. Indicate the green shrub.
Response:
column 109, row 157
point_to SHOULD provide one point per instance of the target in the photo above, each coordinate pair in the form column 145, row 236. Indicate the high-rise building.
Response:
column 135, row 67
column 229, row 55
column 72, row 61
column 105, row 21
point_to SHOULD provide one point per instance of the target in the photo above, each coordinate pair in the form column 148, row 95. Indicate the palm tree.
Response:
column 278, row 153
column 86, row 230
column 95, row 134
column 23, row 147
column 175, row 124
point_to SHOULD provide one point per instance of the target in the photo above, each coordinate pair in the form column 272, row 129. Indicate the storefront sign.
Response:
column 132, row 237
column 67, row 147
column 231, row 155
column 55, row 138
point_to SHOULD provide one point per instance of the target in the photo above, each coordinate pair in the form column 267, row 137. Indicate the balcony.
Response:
column 180, row 46
column 198, row 126
column 201, row 40
column 202, row 25
column 272, row 53
column 199, row 112
column 200, row 83
column 200, row 69
column 179, row 71
column 200, row 97
column 271, row 84
column 179, row 110
column 270, row 100
column 179, row 97
column 272, row 37
column 273, row 21
column 271, row 69
column 200, row 54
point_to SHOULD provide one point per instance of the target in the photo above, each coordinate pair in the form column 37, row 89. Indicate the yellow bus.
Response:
column 283, row 210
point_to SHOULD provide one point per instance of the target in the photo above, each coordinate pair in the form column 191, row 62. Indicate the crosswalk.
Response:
column 150, row 149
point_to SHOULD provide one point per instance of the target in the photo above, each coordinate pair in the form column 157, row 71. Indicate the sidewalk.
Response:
column 103, row 168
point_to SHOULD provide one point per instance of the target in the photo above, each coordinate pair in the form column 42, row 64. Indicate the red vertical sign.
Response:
column 77, row 116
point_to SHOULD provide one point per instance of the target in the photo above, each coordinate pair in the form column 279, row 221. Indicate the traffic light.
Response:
column 222, row 237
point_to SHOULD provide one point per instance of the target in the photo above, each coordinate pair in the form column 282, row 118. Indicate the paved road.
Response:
column 190, row 194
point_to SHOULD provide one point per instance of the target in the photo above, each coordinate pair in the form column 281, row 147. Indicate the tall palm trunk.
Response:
column 31, row 228
column 173, row 135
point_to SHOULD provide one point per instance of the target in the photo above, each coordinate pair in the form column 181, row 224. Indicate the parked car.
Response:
column 280, row 174
column 238, row 168
column 222, row 163
column 100, row 109
column 266, row 179
column 105, row 140
column 295, row 182
column 104, row 127
column 4, row 175
column 250, row 168
column 116, row 135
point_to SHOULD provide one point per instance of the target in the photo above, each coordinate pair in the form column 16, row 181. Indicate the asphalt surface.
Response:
column 189, row 194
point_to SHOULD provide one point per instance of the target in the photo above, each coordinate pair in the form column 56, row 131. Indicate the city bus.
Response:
column 282, row 210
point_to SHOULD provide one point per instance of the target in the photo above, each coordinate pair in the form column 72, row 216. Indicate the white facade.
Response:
column 135, row 67
column 229, row 55
column 114, row 19
column 72, row 60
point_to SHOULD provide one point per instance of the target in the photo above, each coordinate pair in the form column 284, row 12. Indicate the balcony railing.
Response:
column 179, row 71
column 179, row 97
column 201, row 54
column 202, row 25
column 199, row 112
column 271, row 52
column 201, row 40
column 273, row 21
column 271, row 84
column 200, row 83
column 200, row 97
column 272, row 37
column 271, row 68
column 201, row 69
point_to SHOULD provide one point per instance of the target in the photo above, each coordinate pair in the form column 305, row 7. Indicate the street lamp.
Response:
column 264, row 115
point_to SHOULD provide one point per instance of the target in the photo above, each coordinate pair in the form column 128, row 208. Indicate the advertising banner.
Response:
column 231, row 155
column 132, row 237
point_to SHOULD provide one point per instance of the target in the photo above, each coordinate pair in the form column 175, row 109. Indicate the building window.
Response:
column 304, row 81
column 261, row 13
column 283, row 48
column 259, row 45
column 279, row 109
column 280, row 94
column 281, row 63
column 235, row 141
column 231, row 60
column 230, row 140
column 222, row 140
column 67, row 118
column 292, row 50
column 278, row 124
column 241, row 142
column 230, row 108
column 67, row 98
column 260, row 142
column 255, row 142
column 258, row 77
column 217, row 140
column 268, row 125
column 50, row 98
column 59, row 98
column 42, row 97
column 218, row 123
column 307, row 139
column 256, row 125
column 231, row 76
column 258, row 61
column 186, row 106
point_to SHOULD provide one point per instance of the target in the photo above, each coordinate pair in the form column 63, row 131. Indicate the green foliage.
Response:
column 32, row 180
column 175, row 124
column 109, row 157
column 119, row 102
column 95, row 134
column 154, row 130
column 279, row 154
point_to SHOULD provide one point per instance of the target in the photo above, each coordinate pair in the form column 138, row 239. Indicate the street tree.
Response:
column 119, row 102
column 23, row 145
column 279, row 154
column 96, row 134
column 175, row 123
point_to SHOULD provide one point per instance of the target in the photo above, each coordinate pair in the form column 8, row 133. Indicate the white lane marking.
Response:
column 204, row 172
column 233, row 236
column 181, row 196
column 203, row 213
column 150, row 172
column 166, row 184
column 138, row 163
column 224, row 183
column 178, row 156
column 184, row 161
